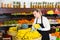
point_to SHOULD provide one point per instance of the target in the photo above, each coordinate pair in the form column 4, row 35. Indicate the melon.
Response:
column 24, row 26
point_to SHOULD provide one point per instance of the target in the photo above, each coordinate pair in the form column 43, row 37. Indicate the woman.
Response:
column 43, row 22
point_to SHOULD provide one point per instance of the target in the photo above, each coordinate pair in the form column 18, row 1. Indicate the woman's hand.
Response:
column 36, row 26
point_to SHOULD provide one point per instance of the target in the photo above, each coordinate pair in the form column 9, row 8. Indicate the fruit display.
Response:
column 54, row 21
column 26, row 34
column 24, row 26
column 21, row 32
column 12, row 31
column 57, row 29
column 52, row 34
column 32, row 20
column 25, row 21
column 10, row 22
column 56, row 35
column 57, row 11
column 58, row 20
column 22, row 21
column 53, row 12
column 50, row 12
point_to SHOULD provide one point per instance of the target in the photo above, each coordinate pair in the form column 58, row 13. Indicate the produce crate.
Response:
column 12, row 33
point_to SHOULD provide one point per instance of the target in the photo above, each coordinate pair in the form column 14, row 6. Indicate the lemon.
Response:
column 36, row 26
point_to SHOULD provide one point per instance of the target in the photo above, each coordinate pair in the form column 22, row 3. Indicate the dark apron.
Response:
column 45, row 34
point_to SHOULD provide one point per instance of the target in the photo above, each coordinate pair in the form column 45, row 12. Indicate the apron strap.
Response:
column 41, row 20
column 36, row 20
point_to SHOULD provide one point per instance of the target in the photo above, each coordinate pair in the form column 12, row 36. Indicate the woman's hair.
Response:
column 37, row 10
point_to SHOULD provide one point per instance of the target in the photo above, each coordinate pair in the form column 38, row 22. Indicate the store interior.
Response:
column 16, row 18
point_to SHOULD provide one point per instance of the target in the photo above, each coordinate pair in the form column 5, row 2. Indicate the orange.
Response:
column 58, row 20
column 57, row 34
column 53, row 34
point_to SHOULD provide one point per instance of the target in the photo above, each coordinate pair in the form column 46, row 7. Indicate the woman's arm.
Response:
column 33, row 24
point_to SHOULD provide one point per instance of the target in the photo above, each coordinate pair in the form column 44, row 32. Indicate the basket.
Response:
column 26, row 39
column 38, row 38
column 12, row 33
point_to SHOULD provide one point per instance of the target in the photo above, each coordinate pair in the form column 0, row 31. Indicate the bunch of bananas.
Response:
column 26, row 34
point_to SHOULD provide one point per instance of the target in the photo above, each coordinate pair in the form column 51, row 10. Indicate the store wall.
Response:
column 31, row 0
column 28, row 1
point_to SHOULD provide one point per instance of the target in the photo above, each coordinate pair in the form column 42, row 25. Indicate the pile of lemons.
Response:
column 26, row 34
column 12, row 31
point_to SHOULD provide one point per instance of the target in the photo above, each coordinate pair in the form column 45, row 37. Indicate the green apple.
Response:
column 57, row 29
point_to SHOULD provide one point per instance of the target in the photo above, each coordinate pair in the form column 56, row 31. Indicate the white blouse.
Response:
column 45, row 24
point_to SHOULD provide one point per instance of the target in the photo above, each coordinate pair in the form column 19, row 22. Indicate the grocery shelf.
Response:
column 5, row 14
column 27, row 16
column 28, row 24
column 7, row 25
column 55, row 25
column 12, row 25
column 15, row 10
column 52, row 15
